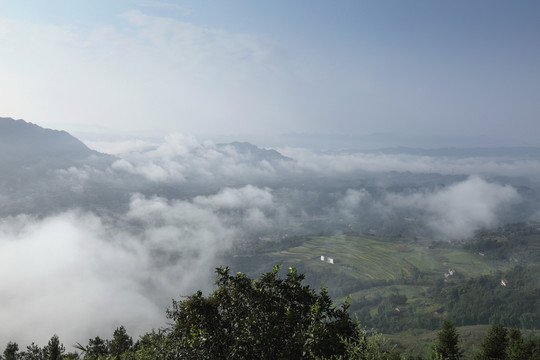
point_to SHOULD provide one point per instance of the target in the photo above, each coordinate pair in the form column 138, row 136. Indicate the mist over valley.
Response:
column 88, row 239
column 272, row 179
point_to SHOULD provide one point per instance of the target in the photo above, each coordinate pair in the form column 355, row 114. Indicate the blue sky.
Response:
column 270, row 67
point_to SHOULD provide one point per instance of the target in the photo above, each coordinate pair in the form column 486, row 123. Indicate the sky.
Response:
column 208, row 68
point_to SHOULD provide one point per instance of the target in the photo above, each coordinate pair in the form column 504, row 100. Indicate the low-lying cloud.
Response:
column 456, row 211
column 377, row 162
column 163, row 218
column 182, row 158
column 80, row 275
column 69, row 274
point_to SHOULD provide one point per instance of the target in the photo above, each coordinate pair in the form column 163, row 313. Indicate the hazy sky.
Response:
column 269, row 67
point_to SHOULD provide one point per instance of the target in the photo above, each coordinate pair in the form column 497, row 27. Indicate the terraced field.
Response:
column 380, row 274
column 362, row 261
column 366, row 257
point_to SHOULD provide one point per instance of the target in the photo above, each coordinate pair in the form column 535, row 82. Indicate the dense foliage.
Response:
column 473, row 295
column 483, row 300
column 268, row 318
column 265, row 318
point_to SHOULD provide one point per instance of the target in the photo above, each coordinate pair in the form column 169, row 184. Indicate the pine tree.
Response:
column 447, row 347
column 33, row 352
column 11, row 351
column 494, row 344
column 96, row 347
column 518, row 348
column 120, row 343
column 54, row 349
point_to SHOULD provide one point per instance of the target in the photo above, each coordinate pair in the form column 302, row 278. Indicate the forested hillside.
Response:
column 401, row 285
column 271, row 317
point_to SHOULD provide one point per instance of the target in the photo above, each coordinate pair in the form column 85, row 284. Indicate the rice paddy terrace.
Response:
column 366, row 257
column 381, row 275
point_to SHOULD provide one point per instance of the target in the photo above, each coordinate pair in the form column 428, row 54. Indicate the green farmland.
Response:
column 380, row 274
column 367, row 268
column 366, row 257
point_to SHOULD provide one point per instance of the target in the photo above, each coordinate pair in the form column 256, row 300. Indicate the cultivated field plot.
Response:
column 366, row 257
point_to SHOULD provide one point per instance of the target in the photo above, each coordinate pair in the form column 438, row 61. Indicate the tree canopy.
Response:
column 271, row 317
column 447, row 346
column 265, row 318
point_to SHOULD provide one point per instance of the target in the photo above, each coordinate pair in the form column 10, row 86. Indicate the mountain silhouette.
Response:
column 35, row 164
column 26, row 144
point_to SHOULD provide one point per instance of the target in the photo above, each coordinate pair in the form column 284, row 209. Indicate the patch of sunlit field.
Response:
column 367, row 257
column 471, row 265
column 368, row 267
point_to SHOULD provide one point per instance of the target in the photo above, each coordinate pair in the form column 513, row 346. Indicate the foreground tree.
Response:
column 367, row 345
column 265, row 318
column 54, row 349
column 120, row 343
column 96, row 349
column 494, row 344
column 11, row 352
column 33, row 352
column 447, row 347
column 518, row 348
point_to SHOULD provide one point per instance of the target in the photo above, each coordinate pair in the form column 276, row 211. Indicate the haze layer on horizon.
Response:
column 239, row 67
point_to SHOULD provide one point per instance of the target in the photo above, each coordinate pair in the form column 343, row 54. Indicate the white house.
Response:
column 327, row 259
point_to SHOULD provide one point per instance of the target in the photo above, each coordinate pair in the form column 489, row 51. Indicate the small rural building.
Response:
column 504, row 282
column 451, row 272
column 327, row 259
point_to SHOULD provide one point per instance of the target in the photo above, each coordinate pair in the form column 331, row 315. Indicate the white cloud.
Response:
column 457, row 211
column 66, row 274
column 176, row 145
column 166, row 5
column 79, row 275
column 181, row 158
column 119, row 147
column 351, row 201
column 349, row 162
column 149, row 73
column 241, row 198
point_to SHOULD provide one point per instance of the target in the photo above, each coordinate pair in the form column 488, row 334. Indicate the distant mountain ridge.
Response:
column 27, row 143
column 257, row 153
column 31, row 161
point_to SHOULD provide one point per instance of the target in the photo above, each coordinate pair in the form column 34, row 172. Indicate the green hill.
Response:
column 382, row 275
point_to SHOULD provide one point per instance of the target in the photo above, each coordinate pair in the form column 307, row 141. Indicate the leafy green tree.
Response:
column 157, row 345
column 367, row 345
column 54, row 349
column 120, row 343
column 11, row 352
column 494, row 344
column 70, row 356
column 265, row 318
column 447, row 345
